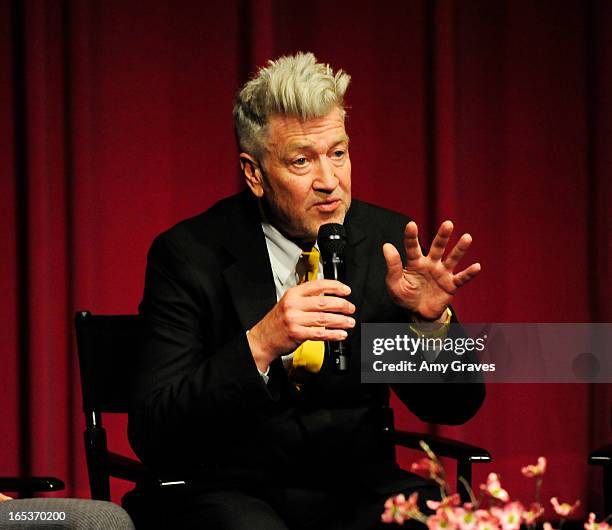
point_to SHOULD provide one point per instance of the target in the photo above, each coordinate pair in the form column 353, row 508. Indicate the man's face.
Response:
column 304, row 179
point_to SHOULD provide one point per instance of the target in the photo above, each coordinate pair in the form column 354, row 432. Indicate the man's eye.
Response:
column 299, row 161
column 339, row 153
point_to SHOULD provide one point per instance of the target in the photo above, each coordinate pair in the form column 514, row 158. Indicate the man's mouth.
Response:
column 328, row 205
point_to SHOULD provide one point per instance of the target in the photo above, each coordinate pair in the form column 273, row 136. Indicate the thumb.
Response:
column 394, row 263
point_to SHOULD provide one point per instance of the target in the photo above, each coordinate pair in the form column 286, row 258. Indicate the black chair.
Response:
column 103, row 344
column 107, row 341
column 26, row 487
column 463, row 453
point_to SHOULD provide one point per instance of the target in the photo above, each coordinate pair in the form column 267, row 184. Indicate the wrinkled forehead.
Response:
column 290, row 132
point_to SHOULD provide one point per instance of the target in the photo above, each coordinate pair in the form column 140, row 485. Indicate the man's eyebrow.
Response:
column 296, row 146
column 341, row 139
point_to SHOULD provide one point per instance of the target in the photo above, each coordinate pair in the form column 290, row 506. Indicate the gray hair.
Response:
column 294, row 85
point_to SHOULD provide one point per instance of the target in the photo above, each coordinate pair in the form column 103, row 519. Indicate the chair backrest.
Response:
column 108, row 347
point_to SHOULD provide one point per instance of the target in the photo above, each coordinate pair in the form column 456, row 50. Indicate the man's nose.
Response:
column 325, row 179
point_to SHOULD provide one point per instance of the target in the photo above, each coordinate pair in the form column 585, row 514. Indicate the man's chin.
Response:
column 337, row 218
column 308, row 233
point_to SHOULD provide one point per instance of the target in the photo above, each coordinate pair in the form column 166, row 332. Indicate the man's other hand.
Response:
column 302, row 314
column 427, row 284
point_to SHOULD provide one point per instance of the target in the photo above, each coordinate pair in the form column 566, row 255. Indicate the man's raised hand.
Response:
column 426, row 284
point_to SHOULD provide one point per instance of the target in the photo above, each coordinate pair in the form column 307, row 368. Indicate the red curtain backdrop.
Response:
column 116, row 123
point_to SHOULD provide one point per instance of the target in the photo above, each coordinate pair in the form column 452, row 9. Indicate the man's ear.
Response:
column 252, row 174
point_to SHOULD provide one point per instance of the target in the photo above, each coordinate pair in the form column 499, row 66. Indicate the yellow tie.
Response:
column 309, row 355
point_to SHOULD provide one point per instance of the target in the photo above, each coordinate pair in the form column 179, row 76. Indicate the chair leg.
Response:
column 95, row 454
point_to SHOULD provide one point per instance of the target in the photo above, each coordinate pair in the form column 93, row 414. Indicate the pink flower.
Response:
column 538, row 470
column 494, row 489
column 592, row 525
column 482, row 515
column 502, row 514
column 398, row 509
column 462, row 518
column 509, row 516
column 428, row 466
column 411, row 505
column 485, row 521
column 487, row 525
column 535, row 511
column 392, row 511
column 450, row 500
column 564, row 509
column 438, row 522
column 387, row 516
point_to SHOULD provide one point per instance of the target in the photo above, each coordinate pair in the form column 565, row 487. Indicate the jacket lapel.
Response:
column 357, row 261
column 249, row 278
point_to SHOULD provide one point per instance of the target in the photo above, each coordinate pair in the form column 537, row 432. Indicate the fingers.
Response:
column 458, row 251
column 467, row 275
column 394, row 263
column 440, row 241
column 309, row 316
column 329, row 304
column 326, row 320
column 319, row 333
column 411, row 241
column 301, row 314
column 321, row 311
column 317, row 287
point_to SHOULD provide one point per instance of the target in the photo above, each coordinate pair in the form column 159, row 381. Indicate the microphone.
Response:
column 332, row 245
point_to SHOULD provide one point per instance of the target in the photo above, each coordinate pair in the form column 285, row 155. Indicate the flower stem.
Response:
column 468, row 488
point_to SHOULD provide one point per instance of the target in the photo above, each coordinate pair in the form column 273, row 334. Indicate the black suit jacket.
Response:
column 202, row 410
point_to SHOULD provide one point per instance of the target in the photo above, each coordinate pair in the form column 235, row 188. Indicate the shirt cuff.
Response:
column 440, row 332
column 264, row 375
column 424, row 330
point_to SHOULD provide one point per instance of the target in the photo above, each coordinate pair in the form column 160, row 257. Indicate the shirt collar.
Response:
column 284, row 253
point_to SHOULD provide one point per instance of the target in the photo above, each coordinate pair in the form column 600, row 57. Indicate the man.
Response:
column 220, row 404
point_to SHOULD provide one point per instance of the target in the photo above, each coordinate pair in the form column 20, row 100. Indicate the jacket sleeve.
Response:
column 194, row 390
column 443, row 403
column 449, row 402
column 453, row 400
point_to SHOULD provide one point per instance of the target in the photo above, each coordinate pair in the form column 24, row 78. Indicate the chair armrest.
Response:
column 121, row 466
column 26, row 486
column 601, row 456
column 441, row 446
column 127, row 468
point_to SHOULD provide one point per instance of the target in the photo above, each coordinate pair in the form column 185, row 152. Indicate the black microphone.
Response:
column 332, row 244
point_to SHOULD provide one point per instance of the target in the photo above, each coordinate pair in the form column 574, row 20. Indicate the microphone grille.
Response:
column 331, row 238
